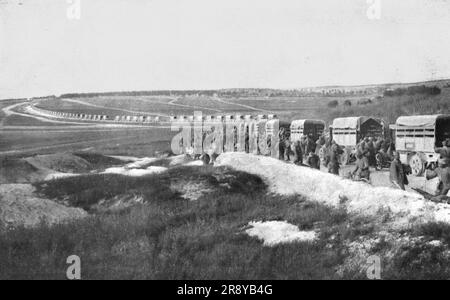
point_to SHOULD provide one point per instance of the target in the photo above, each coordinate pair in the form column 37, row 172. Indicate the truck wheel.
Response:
column 417, row 165
column 345, row 157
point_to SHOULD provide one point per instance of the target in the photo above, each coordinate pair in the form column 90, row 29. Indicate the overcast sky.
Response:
column 205, row 44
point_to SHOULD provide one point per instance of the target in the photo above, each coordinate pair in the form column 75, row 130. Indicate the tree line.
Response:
column 413, row 90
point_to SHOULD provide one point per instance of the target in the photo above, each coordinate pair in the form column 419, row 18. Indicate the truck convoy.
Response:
column 417, row 137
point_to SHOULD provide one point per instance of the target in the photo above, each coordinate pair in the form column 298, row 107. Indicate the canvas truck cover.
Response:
column 301, row 123
column 421, row 133
column 348, row 123
column 418, row 121
column 344, row 130
column 306, row 126
column 354, row 122
column 348, row 131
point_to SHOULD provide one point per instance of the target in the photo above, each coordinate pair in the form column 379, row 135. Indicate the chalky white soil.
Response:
column 278, row 232
column 288, row 179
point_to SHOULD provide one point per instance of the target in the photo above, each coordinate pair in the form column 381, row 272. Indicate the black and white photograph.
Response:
column 224, row 146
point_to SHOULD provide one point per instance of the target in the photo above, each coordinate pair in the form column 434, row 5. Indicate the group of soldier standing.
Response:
column 368, row 151
column 303, row 151
column 442, row 171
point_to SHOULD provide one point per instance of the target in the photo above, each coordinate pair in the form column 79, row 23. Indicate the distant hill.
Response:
column 330, row 91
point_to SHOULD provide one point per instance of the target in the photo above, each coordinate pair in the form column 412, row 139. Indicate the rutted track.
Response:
column 172, row 102
column 25, row 109
column 242, row 105
column 9, row 111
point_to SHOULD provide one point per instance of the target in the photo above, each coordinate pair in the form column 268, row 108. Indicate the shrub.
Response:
column 333, row 103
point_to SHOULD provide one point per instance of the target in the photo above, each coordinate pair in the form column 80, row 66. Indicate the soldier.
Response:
column 397, row 173
column 297, row 151
column 303, row 142
column 444, row 151
column 443, row 172
column 326, row 152
column 378, row 144
column 371, row 151
column 390, row 149
column 361, row 147
column 333, row 164
column 320, row 142
column 287, row 149
column 281, row 143
column 362, row 167
column 310, row 144
column 313, row 160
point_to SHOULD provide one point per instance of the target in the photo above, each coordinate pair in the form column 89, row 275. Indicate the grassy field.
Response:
column 124, row 106
column 131, row 141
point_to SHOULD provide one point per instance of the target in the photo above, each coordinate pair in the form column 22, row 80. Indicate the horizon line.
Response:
column 230, row 88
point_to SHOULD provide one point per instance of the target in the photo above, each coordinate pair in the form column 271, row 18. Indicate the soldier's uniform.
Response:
column 310, row 145
column 397, row 174
column 313, row 161
column 379, row 144
column 443, row 172
column 444, row 152
column 287, row 149
column 303, row 143
column 333, row 164
column 362, row 168
column 320, row 142
column 297, row 151
column 371, row 149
